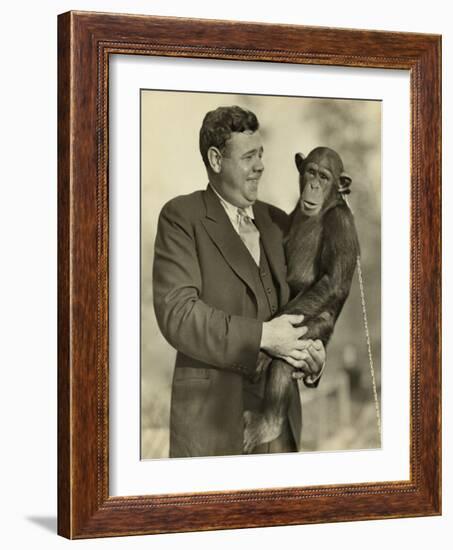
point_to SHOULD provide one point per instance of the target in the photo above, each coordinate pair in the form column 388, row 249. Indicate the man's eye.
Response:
column 324, row 177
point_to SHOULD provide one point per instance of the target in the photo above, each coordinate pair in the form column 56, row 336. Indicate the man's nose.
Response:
column 258, row 166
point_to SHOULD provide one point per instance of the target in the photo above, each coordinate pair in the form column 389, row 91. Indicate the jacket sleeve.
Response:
column 190, row 325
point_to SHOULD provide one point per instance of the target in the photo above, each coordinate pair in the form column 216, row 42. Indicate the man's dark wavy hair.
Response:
column 218, row 125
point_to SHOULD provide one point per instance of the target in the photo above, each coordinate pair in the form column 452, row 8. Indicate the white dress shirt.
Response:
column 232, row 211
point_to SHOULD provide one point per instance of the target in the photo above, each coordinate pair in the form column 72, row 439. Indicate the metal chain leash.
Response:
column 368, row 339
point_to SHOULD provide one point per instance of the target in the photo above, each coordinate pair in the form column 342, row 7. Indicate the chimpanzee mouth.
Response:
column 310, row 205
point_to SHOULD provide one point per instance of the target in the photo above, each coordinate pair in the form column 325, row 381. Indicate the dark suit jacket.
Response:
column 205, row 307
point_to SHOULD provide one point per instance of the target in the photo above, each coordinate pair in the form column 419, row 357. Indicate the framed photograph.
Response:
column 249, row 275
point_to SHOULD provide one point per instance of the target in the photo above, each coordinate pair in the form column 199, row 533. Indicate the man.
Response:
column 219, row 277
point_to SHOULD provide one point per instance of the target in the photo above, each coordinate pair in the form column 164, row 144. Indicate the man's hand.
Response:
column 314, row 358
column 281, row 338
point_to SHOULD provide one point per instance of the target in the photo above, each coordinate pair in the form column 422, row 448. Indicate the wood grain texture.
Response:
column 64, row 390
column 85, row 42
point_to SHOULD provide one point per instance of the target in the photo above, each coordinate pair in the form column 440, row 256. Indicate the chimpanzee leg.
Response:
column 276, row 398
column 266, row 425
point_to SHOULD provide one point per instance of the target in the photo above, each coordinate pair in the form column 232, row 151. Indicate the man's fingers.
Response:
column 301, row 369
column 317, row 344
column 291, row 361
column 301, row 355
column 298, row 364
column 300, row 331
column 294, row 319
column 304, row 344
column 301, row 345
column 298, row 374
column 318, row 356
column 298, row 361
column 311, row 363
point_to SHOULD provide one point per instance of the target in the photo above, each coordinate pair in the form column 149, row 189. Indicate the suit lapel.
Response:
column 227, row 240
column 271, row 239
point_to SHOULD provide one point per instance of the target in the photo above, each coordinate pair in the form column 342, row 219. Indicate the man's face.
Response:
column 241, row 168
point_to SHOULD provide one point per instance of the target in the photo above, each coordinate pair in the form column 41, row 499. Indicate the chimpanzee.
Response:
column 321, row 248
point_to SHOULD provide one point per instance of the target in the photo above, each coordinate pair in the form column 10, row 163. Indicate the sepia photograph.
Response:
column 249, row 282
column 260, row 291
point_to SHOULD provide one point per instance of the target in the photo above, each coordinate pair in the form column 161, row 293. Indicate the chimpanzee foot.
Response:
column 259, row 428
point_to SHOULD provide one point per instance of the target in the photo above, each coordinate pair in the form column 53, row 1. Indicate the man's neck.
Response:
column 222, row 197
column 220, row 194
column 230, row 208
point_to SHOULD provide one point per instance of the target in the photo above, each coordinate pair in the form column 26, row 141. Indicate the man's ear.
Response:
column 215, row 159
column 299, row 158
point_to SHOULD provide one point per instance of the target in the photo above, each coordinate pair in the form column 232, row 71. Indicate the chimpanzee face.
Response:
column 317, row 182
column 320, row 178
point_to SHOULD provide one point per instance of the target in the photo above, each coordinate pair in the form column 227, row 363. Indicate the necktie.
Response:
column 249, row 234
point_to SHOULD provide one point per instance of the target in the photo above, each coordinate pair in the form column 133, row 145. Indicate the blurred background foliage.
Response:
column 340, row 414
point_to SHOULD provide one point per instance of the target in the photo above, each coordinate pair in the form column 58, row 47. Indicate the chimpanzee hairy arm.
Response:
column 321, row 304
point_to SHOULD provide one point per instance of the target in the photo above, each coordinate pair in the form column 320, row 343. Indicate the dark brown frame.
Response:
column 85, row 42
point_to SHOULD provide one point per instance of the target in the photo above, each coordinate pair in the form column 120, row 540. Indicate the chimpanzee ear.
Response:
column 345, row 184
column 299, row 158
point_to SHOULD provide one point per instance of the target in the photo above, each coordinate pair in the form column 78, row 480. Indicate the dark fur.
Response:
column 322, row 252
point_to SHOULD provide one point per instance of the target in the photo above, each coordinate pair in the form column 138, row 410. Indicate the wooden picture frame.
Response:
column 85, row 42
